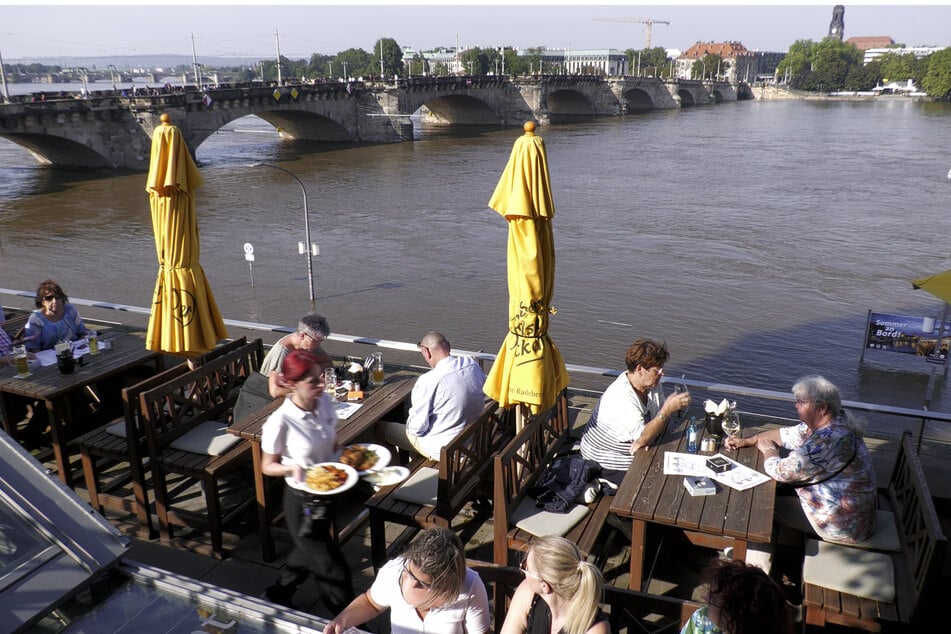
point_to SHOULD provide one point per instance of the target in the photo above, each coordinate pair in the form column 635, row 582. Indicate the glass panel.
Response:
column 20, row 545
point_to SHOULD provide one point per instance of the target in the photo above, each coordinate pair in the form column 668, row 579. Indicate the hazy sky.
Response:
column 44, row 29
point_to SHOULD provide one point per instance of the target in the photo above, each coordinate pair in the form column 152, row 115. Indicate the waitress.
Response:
column 301, row 432
column 54, row 319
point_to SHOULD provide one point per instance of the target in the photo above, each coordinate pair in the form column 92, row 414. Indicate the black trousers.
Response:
column 315, row 555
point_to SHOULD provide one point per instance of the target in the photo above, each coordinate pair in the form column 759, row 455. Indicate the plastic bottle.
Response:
column 693, row 432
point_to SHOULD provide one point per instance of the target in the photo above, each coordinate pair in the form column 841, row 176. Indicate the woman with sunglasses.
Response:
column 561, row 593
column 54, row 319
column 427, row 589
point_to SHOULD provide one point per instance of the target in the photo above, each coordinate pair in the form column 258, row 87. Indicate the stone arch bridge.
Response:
column 113, row 131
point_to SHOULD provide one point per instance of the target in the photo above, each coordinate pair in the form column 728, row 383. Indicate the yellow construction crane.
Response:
column 649, row 22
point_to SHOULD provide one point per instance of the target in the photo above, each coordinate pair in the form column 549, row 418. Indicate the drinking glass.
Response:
column 330, row 379
column 20, row 361
column 376, row 369
column 731, row 424
column 680, row 388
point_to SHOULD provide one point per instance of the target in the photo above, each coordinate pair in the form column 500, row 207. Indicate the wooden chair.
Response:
column 106, row 450
column 454, row 480
column 916, row 567
column 185, row 421
column 519, row 465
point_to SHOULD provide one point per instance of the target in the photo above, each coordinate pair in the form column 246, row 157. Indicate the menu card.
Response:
column 740, row 477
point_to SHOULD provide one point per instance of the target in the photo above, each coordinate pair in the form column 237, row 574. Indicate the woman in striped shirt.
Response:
column 632, row 411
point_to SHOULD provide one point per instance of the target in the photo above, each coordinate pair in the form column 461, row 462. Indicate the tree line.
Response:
column 826, row 66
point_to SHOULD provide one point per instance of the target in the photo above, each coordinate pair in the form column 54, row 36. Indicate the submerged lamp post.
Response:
column 307, row 248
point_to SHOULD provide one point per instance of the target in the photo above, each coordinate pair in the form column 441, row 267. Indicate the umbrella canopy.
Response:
column 938, row 285
column 185, row 320
column 529, row 369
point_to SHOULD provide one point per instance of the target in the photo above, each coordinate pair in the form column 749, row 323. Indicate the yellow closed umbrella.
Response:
column 938, row 285
column 185, row 320
column 529, row 369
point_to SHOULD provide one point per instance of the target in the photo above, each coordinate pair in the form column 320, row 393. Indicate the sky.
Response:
column 43, row 29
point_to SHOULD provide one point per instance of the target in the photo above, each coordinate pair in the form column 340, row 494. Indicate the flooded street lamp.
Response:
column 306, row 247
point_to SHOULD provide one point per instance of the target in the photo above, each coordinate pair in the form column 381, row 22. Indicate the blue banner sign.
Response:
column 919, row 336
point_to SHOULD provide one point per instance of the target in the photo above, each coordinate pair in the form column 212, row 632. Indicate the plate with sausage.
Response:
column 365, row 457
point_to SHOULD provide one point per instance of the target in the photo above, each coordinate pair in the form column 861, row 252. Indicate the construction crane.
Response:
column 649, row 22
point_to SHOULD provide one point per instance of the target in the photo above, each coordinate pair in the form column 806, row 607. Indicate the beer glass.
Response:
column 20, row 361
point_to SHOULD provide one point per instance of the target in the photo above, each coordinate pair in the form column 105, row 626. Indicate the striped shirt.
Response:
column 616, row 422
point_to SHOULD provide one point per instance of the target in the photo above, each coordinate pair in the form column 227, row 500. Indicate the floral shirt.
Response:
column 700, row 623
column 842, row 507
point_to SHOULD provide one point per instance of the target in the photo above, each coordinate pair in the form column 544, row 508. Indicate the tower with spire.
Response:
column 837, row 26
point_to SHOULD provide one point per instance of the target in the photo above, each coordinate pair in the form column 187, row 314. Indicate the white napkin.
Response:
column 717, row 409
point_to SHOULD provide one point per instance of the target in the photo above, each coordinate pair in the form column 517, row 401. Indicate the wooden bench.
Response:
column 15, row 325
column 517, row 468
column 106, row 450
column 630, row 609
column 173, row 412
column 916, row 566
column 461, row 469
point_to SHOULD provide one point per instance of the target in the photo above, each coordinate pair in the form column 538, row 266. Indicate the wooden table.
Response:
column 378, row 404
column 53, row 387
column 728, row 518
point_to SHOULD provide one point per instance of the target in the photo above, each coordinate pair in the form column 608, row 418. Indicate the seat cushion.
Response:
column 539, row 522
column 117, row 429
column 862, row 573
column 420, row 488
column 210, row 438
column 885, row 536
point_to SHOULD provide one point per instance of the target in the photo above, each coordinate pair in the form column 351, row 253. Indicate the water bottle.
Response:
column 693, row 433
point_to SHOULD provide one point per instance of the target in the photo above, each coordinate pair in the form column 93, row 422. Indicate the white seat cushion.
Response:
column 420, row 488
column 540, row 522
column 855, row 571
column 209, row 438
column 117, row 429
column 885, row 536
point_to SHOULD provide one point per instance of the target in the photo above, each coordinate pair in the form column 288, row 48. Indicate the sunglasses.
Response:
column 416, row 580
column 50, row 298
column 523, row 566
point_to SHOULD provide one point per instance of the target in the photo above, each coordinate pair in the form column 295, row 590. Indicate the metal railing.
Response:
column 921, row 416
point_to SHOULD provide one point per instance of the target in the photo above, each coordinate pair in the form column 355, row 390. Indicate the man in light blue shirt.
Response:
column 443, row 400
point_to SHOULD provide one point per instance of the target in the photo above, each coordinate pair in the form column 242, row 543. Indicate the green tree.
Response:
column 440, row 70
column 864, row 77
column 474, row 61
column 514, row 63
column 319, row 65
column 799, row 59
column 392, row 57
column 353, row 62
column 417, row 65
column 937, row 81
column 897, row 67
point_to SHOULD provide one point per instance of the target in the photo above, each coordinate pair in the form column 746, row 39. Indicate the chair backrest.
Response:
column 521, row 462
column 923, row 542
column 14, row 326
column 467, row 456
column 203, row 394
column 131, row 402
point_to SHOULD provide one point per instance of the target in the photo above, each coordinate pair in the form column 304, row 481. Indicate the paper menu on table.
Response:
column 740, row 477
column 346, row 410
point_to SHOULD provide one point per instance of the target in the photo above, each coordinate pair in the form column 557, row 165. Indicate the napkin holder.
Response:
column 65, row 361
column 718, row 464
column 699, row 485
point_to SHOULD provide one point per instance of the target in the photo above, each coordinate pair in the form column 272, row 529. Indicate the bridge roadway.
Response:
column 112, row 131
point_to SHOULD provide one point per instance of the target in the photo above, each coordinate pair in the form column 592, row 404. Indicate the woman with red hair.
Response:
column 300, row 433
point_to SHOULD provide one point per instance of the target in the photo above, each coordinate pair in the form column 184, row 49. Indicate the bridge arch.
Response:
column 460, row 109
column 565, row 104
column 638, row 100
column 717, row 96
column 58, row 151
column 308, row 126
column 686, row 98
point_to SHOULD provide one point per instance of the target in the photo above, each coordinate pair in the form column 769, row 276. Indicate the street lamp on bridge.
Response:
column 306, row 246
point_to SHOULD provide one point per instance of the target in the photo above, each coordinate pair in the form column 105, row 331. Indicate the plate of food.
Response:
column 387, row 476
column 328, row 478
column 365, row 457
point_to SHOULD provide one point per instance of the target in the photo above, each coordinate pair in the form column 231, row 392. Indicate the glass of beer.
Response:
column 93, row 337
column 20, row 361
column 376, row 370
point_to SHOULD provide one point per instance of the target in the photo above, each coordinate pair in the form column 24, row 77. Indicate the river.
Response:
column 752, row 237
